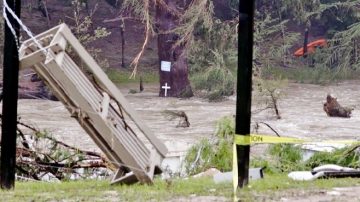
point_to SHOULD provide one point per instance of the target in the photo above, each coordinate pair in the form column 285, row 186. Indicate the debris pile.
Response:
column 41, row 157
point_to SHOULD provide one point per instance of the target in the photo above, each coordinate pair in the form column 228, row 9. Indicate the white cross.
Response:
column 166, row 87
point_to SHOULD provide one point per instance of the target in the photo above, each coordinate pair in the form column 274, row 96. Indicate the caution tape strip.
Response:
column 235, row 173
column 267, row 139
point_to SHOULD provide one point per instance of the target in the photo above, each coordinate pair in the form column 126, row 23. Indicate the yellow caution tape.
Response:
column 267, row 139
column 235, row 172
column 254, row 138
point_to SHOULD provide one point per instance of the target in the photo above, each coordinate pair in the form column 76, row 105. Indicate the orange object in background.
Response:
column 311, row 47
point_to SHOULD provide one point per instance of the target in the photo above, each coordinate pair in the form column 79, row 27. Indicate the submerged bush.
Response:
column 213, row 153
column 287, row 157
column 198, row 157
column 215, row 82
column 216, row 78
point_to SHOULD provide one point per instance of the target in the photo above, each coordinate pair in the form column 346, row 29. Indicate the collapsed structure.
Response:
column 95, row 102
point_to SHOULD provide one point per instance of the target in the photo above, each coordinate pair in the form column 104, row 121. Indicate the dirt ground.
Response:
column 62, row 11
column 335, row 194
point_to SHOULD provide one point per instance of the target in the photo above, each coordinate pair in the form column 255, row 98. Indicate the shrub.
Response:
column 287, row 157
column 347, row 157
column 216, row 82
column 279, row 158
column 213, row 153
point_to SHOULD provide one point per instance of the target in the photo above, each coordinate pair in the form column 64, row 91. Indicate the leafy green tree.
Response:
column 81, row 25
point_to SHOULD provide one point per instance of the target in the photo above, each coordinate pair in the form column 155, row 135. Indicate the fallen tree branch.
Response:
column 44, row 155
column 270, row 128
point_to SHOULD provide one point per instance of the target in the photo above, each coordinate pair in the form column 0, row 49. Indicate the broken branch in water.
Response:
column 271, row 128
column 173, row 114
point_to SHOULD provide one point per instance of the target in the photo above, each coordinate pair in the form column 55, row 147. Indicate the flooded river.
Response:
column 300, row 109
column 303, row 115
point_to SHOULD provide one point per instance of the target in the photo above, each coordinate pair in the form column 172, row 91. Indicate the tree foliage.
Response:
column 214, row 52
column 278, row 28
column 81, row 26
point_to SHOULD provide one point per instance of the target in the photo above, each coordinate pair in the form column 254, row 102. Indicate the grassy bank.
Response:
column 313, row 75
column 283, row 182
column 272, row 187
column 123, row 76
column 103, row 191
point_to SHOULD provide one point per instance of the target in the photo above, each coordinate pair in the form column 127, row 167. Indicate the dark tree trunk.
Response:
column 115, row 3
column 223, row 9
column 42, row 5
column 122, row 30
column 306, row 37
column 177, row 78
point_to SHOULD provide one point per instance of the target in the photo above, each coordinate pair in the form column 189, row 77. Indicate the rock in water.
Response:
column 334, row 109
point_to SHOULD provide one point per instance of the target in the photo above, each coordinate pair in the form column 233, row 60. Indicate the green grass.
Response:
column 123, row 76
column 279, row 185
column 313, row 75
column 92, row 190
column 282, row 182
column 273, row 186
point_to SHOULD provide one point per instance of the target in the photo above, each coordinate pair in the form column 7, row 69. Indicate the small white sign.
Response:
column 165, row 66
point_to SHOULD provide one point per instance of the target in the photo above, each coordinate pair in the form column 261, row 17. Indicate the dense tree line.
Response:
column 333, row 20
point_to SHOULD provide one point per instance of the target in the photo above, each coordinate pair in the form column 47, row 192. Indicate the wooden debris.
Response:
column 334, row 109
column 39, row 154
column 173, row 114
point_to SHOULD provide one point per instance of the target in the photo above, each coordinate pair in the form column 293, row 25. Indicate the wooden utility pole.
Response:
column 10, row 95
column 244, row 82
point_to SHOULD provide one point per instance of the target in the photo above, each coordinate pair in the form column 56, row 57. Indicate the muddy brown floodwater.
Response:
column 303, row 116
column 54, row 118
column 300, row 108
